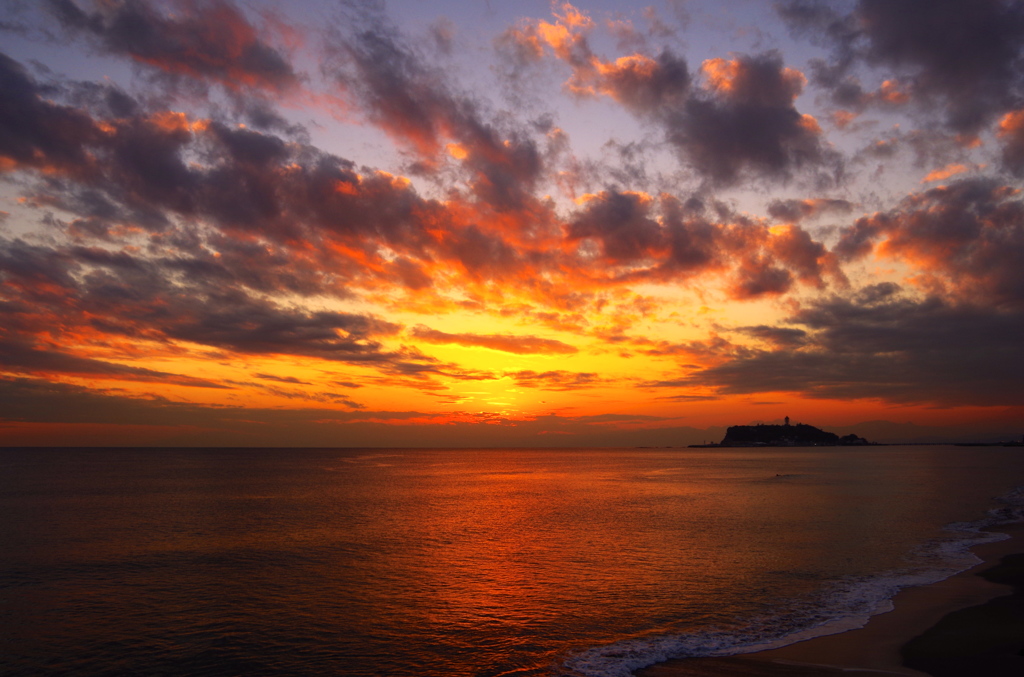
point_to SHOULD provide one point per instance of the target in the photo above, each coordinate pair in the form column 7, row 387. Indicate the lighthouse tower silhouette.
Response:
column 787, row 420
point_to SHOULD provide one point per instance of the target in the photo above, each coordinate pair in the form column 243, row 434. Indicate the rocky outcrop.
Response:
column 799, row 435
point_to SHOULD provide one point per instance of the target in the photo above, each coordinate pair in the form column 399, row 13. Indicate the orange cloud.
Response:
column 520, row 345
column 736, row 78
column 173, row 121
column 945, row 173
column 1012, row 123
column 843, row 118
column 962, row 240
column 637, row 81
column 891, row 92
column 1011, row 130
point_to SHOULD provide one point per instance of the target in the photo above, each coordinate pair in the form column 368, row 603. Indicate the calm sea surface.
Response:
column 465, row 561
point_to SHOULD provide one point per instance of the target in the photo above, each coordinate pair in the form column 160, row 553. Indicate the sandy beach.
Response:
column 964, row 625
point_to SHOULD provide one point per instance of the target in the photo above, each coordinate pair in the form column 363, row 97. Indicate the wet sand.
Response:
column 962, row 626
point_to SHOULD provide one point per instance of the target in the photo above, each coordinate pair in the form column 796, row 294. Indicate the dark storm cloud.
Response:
column 760, row 276
column 804, row 256
column 402, row 93
column 671, row 241
column 123, row 294
column 780, row 337
column 746, row 121
column 877, row 293
column 483, row 256
column 965, row 53
column 394, row 86
column 967, row 235
column 20, row 357
column 204, row 39
column 898, row 350
column 36, row 133
column 692, row 238
column 34, row 400
column 249, row 326
column 644, row 85
column 326, row 194
column 146, row 164
column 261, row 115
column 104, row 99
column 770, row 262
column 622, row 223
column 141, row 156
column 145, row 168
column 224, row 262
column 249, row 148
column 37, row 270
column 25, row 399
column 243, row 324
column 96, row 214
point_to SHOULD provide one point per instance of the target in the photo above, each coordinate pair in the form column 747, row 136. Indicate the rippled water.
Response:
column 462, row 562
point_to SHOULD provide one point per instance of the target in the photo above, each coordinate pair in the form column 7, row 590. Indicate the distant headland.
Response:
column 786, row 435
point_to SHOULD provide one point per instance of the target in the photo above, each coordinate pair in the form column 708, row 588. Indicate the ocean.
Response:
column 483, row 562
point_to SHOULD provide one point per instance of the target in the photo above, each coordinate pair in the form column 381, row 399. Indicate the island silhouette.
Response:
column 785, row 435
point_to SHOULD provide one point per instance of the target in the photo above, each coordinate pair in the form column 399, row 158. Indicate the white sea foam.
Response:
column 842, row 605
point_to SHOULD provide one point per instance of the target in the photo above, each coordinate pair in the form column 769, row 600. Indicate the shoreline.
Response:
column 874, row 649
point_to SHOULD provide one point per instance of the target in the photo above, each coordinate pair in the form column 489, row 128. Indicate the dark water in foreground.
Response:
column 465, row 562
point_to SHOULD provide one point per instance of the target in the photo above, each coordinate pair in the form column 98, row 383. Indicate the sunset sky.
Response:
column 418, row 223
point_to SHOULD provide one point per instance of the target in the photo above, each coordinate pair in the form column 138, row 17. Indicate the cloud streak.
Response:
column 898, row 350
column 208, row 40
column 520, row 345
